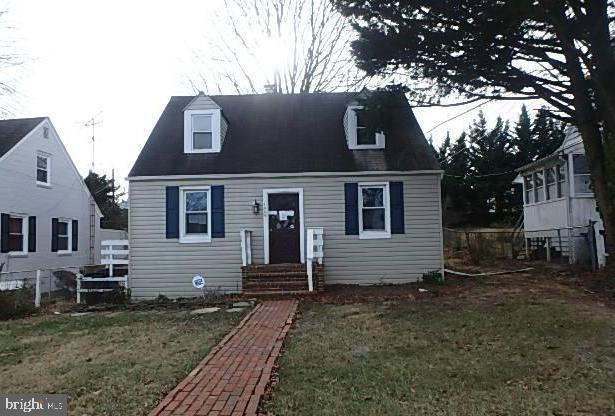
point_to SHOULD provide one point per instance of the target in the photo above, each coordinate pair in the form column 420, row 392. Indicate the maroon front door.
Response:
column 284, row 228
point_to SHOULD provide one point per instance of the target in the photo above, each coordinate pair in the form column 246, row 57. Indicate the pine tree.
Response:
column 548, row 132
column 491, row 159
column 524, row 140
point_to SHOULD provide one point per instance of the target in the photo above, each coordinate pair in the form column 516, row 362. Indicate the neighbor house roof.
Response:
column 12, row 131
column 283, row 133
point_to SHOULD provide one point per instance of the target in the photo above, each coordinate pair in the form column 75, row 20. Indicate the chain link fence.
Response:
column 568, row 245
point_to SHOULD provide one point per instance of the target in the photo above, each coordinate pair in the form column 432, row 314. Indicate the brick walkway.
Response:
column 233, row 377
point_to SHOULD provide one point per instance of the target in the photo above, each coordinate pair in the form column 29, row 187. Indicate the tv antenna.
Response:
column 93, row 122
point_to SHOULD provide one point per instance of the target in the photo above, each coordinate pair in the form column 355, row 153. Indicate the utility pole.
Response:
column 93, row 122
column 113, row 183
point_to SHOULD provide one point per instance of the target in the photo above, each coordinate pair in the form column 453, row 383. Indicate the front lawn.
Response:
column 499, row 348
column 119, row 363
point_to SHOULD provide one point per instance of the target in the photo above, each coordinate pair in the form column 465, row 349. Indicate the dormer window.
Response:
column 358, row 132
column 202, row 131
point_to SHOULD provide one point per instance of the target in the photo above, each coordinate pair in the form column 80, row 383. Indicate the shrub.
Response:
column 66, row 280
column 16, row 303
column 433, row 277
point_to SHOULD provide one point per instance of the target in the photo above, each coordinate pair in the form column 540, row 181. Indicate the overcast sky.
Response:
column 121, row 61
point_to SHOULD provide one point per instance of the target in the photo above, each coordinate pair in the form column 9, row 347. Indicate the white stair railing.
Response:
column 111, row 256
column 315, row 252
column 246, row 247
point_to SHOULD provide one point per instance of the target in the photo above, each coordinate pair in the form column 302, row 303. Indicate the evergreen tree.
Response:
column 491, row 159
column 107, row 197
column 548, row 132
column 456, row 192
column 524, row 140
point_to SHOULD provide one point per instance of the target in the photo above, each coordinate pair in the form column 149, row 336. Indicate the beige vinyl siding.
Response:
column 165, row 266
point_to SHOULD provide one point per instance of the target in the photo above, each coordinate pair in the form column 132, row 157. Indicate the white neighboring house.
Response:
column 48, row 216
column 557, row 195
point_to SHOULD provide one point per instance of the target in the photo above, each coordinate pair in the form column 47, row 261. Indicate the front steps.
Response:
column 280, row 279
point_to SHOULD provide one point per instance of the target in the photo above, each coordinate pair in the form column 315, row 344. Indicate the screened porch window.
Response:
column 561, row 180
column 529, row 189
column 539, row 186
column 582, row 177
column 551, row 183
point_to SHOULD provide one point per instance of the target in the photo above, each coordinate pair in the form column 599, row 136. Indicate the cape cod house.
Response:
column 48, row 217
column 559, row 205
column 248, row 190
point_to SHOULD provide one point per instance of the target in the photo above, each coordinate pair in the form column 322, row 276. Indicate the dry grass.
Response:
column 118, row 363
column 512, row 345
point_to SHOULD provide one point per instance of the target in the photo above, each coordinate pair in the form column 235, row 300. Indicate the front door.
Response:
column 284, row 228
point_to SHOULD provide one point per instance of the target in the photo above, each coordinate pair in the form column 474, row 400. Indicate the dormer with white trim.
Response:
column 357, row 131
column 204, row 126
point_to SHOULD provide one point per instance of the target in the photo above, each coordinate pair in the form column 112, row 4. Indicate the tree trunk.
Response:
column 586, row 120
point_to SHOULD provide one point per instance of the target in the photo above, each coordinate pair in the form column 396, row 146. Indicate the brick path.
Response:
column 233, row 377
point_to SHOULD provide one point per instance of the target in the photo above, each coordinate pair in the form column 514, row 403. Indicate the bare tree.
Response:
column 8, row 59
column 291, row 45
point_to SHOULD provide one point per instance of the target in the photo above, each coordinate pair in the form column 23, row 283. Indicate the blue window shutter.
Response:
column 4, row 229
column 351, row 195
column 217, row 211
column 396, row 193
column 32, row 234
column 54, row 234
column 75, row 239
column 172, row 212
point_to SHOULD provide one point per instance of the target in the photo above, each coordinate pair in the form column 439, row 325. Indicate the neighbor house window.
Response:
column 42, row 169
column 529, row 189
column 64, row 235
column 582, row 177
column 551, row 183
column 202, row 131
column 561, row 180
column 374, row 215
column 18, row 234
column 196, row 215
column 539, row 186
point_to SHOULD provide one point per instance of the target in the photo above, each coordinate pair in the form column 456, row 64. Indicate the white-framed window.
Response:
column 65, row 236
column 359, row 136
column 539, row 186
column 43, row 169
column 582, row 177
column 551, row 180
column 18, row 234
column 529, row 189
column 561, row 180
column 202, row 131
column 374, row 210
column 195, row 215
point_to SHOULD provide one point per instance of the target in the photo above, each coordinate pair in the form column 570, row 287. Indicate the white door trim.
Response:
column 266, row 193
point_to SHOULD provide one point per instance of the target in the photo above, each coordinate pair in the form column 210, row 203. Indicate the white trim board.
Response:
column 287, row 175
column 265, row 210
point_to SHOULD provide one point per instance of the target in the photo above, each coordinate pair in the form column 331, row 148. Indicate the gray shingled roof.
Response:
column 12, row 131
column 283, row 133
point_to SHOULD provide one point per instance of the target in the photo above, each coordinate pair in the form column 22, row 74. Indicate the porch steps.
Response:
column 280, row 279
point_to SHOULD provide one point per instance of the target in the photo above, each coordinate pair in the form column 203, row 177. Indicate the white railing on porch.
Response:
column 111, row 256
column 246, row 247
column 315, row 252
